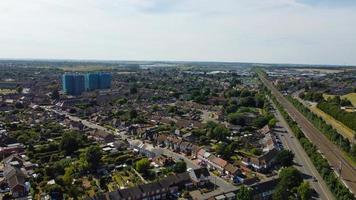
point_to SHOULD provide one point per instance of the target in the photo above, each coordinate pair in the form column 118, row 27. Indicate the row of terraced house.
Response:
column 195, row 152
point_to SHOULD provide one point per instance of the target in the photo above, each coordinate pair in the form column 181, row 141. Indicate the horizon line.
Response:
column 165, row 61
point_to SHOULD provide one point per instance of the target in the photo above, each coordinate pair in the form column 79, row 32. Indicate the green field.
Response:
column 340, row 127
column 86, row 68
column 7, row 91
column 351, row 97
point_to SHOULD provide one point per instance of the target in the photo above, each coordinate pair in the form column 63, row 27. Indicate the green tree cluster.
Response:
column 180, row 167
column 70, row 142
column 347, row 118
column 290, row 179
column 90, row 158
column 244, row 193
column 217, row 131
column 143, row 166
column 285, row 158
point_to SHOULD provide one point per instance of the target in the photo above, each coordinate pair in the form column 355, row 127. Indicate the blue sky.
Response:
column 278, row 31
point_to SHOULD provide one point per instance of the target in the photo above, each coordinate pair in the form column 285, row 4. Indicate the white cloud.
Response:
column 224, row 30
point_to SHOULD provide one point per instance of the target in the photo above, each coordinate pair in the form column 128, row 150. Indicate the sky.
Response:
column 269, row 31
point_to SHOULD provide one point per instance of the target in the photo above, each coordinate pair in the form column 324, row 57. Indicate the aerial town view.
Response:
column 203, row 100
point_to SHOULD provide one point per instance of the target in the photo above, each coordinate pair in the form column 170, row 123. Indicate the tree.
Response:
column 248, row 101
column 90, row 158
column 260, row 121
column 272, row 122
column 244, row 193
column 256, row 151
column 259, row 101
column 285, row 158
column 19, row 89
column 19, row 105
column 142, row 165
column 68, row 176
column 69, row 143
column 220, row 132
column 133, row 89
column 226, row 150
column 55, row 94
column 180, row 167
column 236, row 119
column 290, row 178
column 133, row 114
column 304, row 191
column 55, row 191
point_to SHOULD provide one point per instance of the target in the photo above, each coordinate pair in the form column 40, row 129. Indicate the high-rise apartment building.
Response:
column 73, row 84
column 105, row 80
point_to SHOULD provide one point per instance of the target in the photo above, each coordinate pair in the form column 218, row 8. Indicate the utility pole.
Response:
column 215, row 183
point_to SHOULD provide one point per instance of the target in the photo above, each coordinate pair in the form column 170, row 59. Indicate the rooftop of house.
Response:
column 14, row 176
column 218, row 161
column 137, row 191
column 264, row 130
column 231, row 168
column 264, row 186
column 201, row 172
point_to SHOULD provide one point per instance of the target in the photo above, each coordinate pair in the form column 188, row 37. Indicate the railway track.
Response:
column 331, row 152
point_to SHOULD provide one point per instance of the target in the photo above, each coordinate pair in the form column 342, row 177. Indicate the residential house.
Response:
column 189, row 137
column 269, row 142
column 11, row 148
column 79, row 126
column 103, row 136
column 212, row 162
column 185, row 147
column 142, row 148
column 17, row 161
column 195, row 149
column 153, row 191
column 15, row 180
column 160, row 139
column 163, row 160
column 264, row 130
column 217, row 163
column 261, row 163
column 173, row 142
column 203, row 155
column 264, row 190
column 150, row 191
column 200, row 176
column 231, row 171
column 120, row 144
column 126, row 194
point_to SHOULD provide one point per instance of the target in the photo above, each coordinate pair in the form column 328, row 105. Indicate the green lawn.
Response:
column 125, row 179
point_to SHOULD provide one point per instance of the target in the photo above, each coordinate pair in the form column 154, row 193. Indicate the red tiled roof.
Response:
column 218, row 161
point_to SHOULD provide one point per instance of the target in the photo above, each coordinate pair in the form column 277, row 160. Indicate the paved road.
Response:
column 83, row 121
column 303, row 163
column 331, row 152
